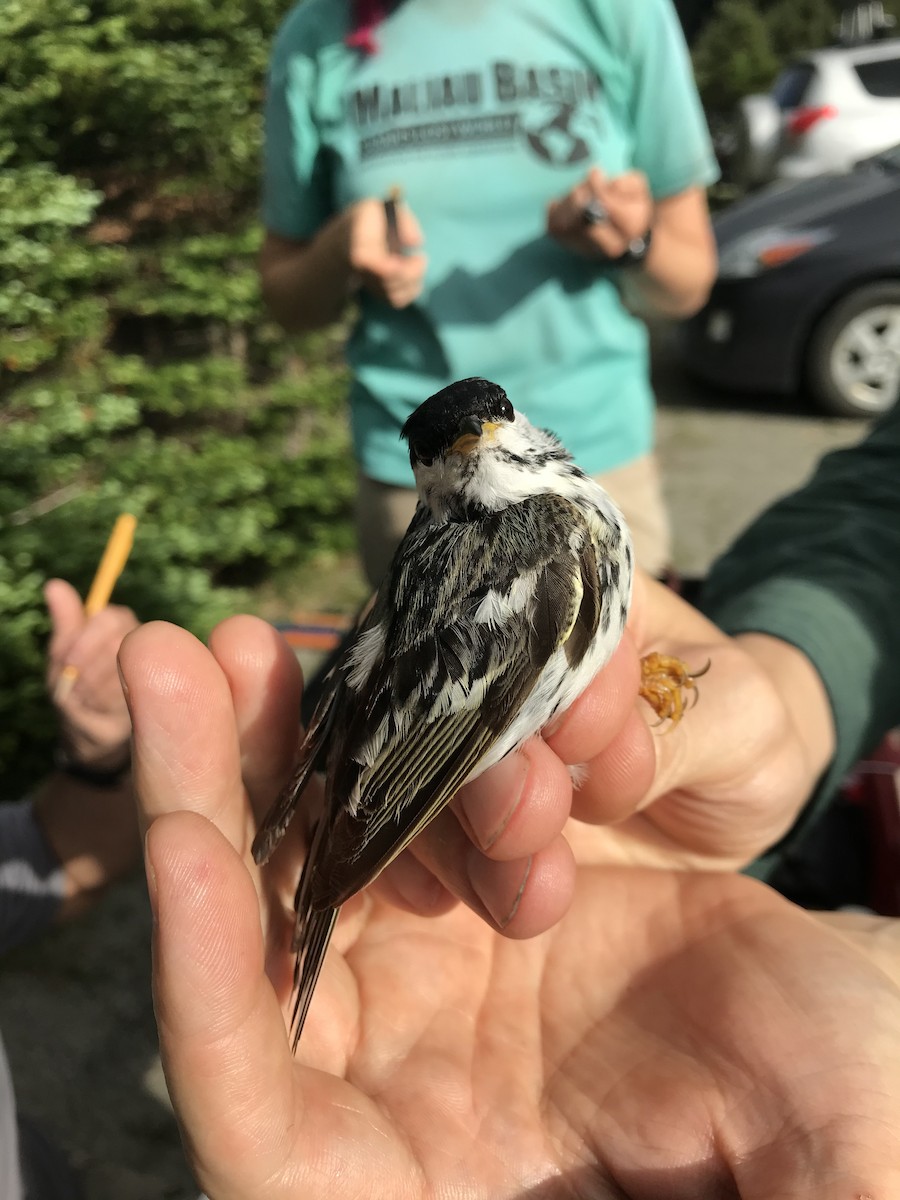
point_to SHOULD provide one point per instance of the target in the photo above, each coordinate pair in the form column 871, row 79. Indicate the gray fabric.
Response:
column 32, row 882
column 10, row 1176
column 46, row 1175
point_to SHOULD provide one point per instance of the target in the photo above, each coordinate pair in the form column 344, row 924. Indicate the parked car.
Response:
column 826, row 110
column 808, row 292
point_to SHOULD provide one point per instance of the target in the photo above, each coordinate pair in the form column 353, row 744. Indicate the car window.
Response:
column 881, row 78
column 791, row 85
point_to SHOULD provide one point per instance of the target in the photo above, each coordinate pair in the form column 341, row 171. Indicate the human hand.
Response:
column 94, row 723
column 626, row 201
column 712, row 792
column 674, row 1034
column 395, row 278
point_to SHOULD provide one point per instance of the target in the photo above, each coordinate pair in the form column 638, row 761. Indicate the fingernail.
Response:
column 499, row 886
column 501, row 789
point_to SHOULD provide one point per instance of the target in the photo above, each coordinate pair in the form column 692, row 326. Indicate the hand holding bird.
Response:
column 441, row 1057
column 507, row 595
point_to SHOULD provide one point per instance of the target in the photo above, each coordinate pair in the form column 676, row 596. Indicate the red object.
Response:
column 367, row 16
column 802, row 120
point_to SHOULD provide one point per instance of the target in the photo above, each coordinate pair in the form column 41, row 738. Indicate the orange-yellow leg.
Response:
column 665, row 682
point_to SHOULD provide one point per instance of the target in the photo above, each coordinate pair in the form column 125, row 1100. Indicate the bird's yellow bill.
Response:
column 467, row 443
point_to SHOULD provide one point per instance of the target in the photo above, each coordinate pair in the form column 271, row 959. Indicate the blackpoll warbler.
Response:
column 507, row 595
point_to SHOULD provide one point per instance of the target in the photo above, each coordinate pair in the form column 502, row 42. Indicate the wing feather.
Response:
column 442, row 575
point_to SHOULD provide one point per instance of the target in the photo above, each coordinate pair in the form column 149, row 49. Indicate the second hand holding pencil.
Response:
column 115, row 556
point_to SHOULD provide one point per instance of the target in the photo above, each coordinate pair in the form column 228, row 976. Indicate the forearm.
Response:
column 92, row 832
column 306, row 286
column 821, row 571
column 675, row 278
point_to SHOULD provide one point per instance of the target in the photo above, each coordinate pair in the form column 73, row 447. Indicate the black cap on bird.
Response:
column 455, row 418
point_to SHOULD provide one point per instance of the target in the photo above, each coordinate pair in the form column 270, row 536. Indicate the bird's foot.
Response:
column 665, row 684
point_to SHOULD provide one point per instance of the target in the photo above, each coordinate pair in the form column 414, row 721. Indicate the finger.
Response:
column 186, row 754
column 410, row 886
column 266, row 687
column 401, row 292
column 93, row 653
column 408, row 227
column 520, row 898
column 66, row 617
column 617, row 782
column 221, row 1029
column 631, row 185
column 600, row 712
column 519, row 806
column 513, row 811
column 565, row 215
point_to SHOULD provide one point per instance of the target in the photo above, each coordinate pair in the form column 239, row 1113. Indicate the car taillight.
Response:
column 802, row 120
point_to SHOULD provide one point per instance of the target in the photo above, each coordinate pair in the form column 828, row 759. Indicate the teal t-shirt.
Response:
column 482, row 111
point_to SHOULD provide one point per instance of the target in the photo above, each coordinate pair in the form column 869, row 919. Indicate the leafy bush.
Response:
column 744, row 44
column 733, row 55
column 137, row 369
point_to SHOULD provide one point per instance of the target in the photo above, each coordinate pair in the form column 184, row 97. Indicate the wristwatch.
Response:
column 638, row 249
column 98, row 777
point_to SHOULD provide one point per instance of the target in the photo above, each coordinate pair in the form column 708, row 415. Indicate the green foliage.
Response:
column 230, row 481
column 800, row 25
column 137, row 369
column 734, row 56
column 47, row 276
column 746, row 42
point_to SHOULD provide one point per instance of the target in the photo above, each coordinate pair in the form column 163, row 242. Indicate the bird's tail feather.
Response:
column 314, row 932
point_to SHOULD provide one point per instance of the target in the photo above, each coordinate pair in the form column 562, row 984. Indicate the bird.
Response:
column 508, row 593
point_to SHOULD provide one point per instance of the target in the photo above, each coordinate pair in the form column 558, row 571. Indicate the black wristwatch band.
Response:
column 98, row 777
column 638, row 249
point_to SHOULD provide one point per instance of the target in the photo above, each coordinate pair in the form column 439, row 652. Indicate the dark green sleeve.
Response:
column 821, row 570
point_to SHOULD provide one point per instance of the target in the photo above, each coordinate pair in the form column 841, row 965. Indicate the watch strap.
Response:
column 98, row 777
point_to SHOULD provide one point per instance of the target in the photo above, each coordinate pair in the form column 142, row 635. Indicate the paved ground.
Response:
column 75, row 1011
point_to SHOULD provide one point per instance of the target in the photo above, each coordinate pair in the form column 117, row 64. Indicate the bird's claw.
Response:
column 665, row 681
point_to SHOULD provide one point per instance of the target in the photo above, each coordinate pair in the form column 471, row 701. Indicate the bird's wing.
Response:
column 276, row 821
column 312, row 750
column 474, row 612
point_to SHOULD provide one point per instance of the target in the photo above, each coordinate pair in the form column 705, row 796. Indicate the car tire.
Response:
column 853, row 357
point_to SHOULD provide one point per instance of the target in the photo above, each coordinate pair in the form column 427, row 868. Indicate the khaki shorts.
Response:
column 383, row 512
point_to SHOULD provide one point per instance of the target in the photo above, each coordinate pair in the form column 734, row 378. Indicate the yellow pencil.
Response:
column 115, row 556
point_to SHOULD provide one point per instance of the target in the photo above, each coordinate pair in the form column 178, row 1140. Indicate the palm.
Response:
column 670, row 1062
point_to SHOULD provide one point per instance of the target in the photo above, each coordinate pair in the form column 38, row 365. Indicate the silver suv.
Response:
column 826, row 110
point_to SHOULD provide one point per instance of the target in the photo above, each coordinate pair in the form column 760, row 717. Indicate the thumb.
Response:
column 67, row 618
column 408, row 226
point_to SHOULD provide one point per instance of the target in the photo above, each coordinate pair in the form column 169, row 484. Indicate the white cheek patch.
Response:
column 365, row 654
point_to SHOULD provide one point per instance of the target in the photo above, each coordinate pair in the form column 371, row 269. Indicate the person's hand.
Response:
column 626, row 202
column 94, row 723
column 675, row 1035
column 723, row 785
column 395, row 278
column 90, row 828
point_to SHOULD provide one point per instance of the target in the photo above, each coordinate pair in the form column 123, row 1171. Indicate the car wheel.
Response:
column 853, row 362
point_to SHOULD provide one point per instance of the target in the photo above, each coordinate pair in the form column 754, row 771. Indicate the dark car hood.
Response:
column 812, row 201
